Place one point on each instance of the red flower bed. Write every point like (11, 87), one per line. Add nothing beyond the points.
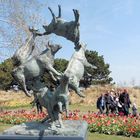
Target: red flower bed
(111, 124)
(20, 116)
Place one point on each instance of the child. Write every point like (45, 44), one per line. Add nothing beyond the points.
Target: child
(134, 110)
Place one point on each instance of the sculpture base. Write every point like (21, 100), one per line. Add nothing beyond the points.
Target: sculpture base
(73, 130)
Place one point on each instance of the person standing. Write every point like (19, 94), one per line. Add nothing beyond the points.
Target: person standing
(36, 103)
(39, 107)
(113, 105)
(134, 110)
(107, 101)
(101, 103)
(125, 102)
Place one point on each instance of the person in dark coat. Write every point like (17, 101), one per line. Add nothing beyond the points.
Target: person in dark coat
(36, 103)
(39, 107)
(110, 102)
(125, 102)
(101, 103)
(107, 102)
(113, 103)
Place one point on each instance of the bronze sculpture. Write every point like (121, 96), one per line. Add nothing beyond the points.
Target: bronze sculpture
(32, 69)
(60, 27)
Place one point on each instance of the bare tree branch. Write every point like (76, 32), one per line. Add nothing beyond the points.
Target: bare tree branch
(15, 18)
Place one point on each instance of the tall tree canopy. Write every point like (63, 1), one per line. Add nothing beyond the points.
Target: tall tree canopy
(101, 75)
(6, 78)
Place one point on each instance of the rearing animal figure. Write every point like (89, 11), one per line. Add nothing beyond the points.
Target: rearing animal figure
(36, 67)
(24, 52)
(58, 26)
(55, 101)
(75, 68)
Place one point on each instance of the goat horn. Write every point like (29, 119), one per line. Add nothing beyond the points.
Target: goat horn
(53, 15)
(59, 14)
(29, 28)
(49, 43)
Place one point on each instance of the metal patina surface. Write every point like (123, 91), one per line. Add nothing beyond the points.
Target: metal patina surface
(29, 71)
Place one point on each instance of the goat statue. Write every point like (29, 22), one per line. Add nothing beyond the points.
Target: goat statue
(75, 68)
(55, 101)
(23, 53)
(58, 26)
(36, 67)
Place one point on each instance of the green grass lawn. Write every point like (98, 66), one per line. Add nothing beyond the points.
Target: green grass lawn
(97, 136)
(4, 126)
(83, 108)
(15, 107)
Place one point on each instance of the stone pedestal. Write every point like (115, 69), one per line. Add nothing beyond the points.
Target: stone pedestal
(73, 130)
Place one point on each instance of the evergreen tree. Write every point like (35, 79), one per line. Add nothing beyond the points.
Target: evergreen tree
(101, 74)
(6, 78)
(60, 64)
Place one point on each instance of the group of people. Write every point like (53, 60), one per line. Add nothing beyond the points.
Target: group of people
(115, 102)
(108, 102)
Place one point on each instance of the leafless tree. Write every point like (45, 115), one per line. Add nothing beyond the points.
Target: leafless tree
(15, 18)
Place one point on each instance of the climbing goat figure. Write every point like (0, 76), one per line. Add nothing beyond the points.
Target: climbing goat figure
(75, 68)
(24, 52)
(36, 67)
(55, 101)
(58, 26)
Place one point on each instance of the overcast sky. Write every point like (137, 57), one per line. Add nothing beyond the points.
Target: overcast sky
(110, 27)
